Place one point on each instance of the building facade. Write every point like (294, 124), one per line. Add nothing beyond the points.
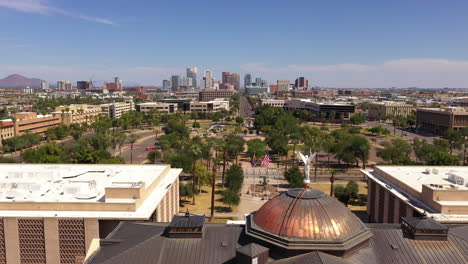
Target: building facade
(440, 193)
(208, 79)
(273, 103)
(77, 114)
(301, 83)
(283, 85)
(230, 79)
(334, 111)
(247, 80)
(167, 108)
(56, 211)
(175, 83)
(388, 110)
(64, 85)
(439, 120)
(210, 106)
(192, 74)
(117, 109)
(211, 94)
(7, 130)
(34, 123)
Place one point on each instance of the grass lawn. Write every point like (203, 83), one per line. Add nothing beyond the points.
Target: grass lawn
(203, 203)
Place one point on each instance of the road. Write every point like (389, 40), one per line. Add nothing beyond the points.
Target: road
(148, 138)
(245, 108)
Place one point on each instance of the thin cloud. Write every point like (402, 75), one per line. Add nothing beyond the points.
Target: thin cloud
(42, 7)
(424, 65)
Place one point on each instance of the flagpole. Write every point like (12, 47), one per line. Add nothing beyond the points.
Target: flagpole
(255, 163)
(267, 183)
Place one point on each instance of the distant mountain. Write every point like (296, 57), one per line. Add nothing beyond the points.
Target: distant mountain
(19, 81)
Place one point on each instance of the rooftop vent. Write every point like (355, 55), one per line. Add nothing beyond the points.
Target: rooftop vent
(187, 226)
(423, 228)
(252, 253)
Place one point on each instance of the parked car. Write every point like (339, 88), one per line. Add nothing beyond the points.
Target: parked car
(150, 148)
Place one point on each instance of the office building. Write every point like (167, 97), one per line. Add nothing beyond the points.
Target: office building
(64, 85)
(247, 80)
(192, 74)
(301, 83)
(117, 109)
(283, 85)
(77, 114)
(115, 86)
(230, 79)
(166, 108)
(175, 83)
(332, 110)
(298, 226)
(32, 122)
(273, 88)
(185, 83)
(54, 212)
(211, 94)
(388, 110)
(7, 130)
(208, 79)
(210, 106)
(258, 82)
(439, 120)
(166, 84)
(273, 103)
(439, 193)
(44, 86)
(256, 90)
(83, 85)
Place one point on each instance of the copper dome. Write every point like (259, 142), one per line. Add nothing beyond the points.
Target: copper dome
(307, 219)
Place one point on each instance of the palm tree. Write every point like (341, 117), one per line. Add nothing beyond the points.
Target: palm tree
(332, 181)
(132, 139)
(195, 151)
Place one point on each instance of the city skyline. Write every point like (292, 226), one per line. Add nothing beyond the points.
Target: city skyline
(365, 44)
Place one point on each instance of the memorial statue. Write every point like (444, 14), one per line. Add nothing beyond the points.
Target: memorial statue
(307, 161)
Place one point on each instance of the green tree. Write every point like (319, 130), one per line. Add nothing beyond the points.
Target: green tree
(203, 175)
(256, 147)
(357, 119)
(345, 193)
(398, 152)
(230, 198)
(454, 138)
(234, 146)
(441, 159)
(185, 189)
(234, 178)
(294, 177)
(239, 120)
(153, 155)
(196, 125)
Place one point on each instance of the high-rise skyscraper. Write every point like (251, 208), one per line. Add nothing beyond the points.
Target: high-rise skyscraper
(166, 84)
(175, 82)
(192, 74)
(230, 78)
(258, 82)
(208, 78)
(185, 83)
(44, 86)
(301, 83)
(283, 85)
(83, 85)
(64, 85)
(247, 80)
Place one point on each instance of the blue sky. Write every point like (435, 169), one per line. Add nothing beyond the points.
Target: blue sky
(335, 43)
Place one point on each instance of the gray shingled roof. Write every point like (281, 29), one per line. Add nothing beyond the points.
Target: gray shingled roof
(252, 250)
(142, 243)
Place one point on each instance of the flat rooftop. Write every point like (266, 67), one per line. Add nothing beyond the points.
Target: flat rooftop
(427, 187)
(79, 190)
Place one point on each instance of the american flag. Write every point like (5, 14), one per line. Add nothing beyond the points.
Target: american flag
(266, 160)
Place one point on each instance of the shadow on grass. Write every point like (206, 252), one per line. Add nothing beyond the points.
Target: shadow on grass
(361, 200)
(223, 209)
